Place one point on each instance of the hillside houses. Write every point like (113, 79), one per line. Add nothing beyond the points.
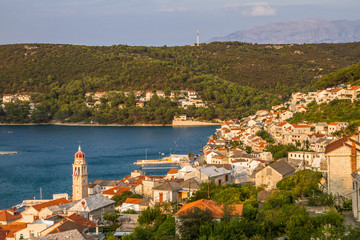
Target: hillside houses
(183, 98)
(8, 98)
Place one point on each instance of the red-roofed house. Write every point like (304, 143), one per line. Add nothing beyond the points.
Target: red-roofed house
(342, 160)
(32, 213)
(173, 173)
(9, 230)
(148, 95)
(74, 221)
(301, 109)
(216, 209)
(99, 95)
(7, 98)
(8, 216)
(337, 126)
(136, 204)
(114, 191)
(192, 94)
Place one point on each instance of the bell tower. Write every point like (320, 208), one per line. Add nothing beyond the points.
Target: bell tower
(80, 176)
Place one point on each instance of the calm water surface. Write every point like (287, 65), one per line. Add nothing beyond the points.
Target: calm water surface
(47, 152)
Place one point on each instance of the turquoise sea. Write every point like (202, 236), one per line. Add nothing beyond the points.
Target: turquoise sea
(45, 155)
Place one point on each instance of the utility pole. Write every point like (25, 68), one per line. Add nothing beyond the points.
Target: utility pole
(197, 37)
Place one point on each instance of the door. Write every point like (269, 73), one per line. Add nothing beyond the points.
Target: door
(161, 197)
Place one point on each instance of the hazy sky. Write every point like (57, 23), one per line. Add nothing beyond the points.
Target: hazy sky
(152, 22)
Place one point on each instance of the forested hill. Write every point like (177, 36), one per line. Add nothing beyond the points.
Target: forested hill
(279, 69)
(349, 75)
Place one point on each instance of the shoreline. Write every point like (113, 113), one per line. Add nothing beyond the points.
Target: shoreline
(194, 124)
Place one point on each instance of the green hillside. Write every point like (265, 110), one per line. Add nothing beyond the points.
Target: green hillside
(349, 75)
(235, 79)
(278, 69)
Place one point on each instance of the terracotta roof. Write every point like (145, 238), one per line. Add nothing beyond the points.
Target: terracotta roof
(116, 190)
(82, 221)
(335, 89)
(9, 215)
(334, 123)
(13, 228)
(59, 201)
(173, 171)
(354, 87)
(222, 149)
(339, 143)
(300, 126)
(282, 124)
(133, 200)
(136, 182)
(214, 207)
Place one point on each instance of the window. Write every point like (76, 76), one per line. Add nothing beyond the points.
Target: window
(227, 178)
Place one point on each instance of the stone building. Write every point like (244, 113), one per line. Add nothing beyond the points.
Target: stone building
(342, 160)
(273, 173)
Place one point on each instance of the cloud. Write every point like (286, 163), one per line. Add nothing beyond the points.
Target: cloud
(255, 9)
(171, 10)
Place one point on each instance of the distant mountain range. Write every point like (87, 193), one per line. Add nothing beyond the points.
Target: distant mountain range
(304, 31)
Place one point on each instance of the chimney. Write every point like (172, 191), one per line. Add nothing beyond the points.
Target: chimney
(353, 157)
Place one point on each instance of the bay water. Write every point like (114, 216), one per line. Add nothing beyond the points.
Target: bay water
(46, 153)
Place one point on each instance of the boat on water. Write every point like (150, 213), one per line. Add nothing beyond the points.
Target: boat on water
(165, 162)
(8, 153)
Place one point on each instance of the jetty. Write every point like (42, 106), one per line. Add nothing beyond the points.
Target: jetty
(8, 153)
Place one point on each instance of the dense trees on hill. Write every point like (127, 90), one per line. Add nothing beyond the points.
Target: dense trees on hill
(236, 79)
(348, 75)
(279, 69)
(65, 103)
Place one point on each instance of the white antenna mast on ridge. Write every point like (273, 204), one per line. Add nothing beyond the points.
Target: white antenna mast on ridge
(197, 37)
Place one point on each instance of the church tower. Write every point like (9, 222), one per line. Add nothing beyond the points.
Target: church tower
(80, 176)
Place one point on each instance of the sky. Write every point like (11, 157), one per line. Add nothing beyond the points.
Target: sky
(153, 22)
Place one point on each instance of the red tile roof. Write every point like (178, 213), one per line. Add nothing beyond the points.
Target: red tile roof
(133, 200)
(339, 143)
(82, 221)
(115, 191)
(354, 87)
(59, 201)
(214, 207)
(9, 215)
(300, 126)
(335, 89)
(173, 171)
(282, 124)
(13, 228)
